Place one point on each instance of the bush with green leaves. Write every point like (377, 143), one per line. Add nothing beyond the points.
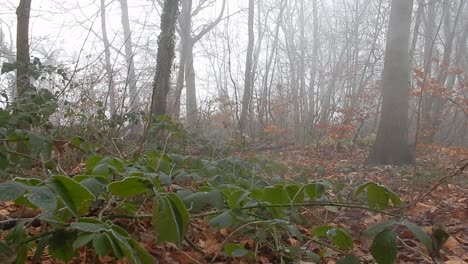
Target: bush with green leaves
(242, 195)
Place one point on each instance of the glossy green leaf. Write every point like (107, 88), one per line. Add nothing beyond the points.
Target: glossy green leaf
(384, 247)
(130, 186)
(74, 195)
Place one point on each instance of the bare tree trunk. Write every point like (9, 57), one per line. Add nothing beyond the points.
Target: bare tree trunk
(131, 76)
(191, 104)
(427, 100)
(23, 83)
(391, 145)
(449, 32)
(110, 76)
(185, 25)
(186, 67)
(165, 57)
(247, 96)
(22, 47)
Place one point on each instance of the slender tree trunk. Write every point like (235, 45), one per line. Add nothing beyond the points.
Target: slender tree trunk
(131, 76)
(165, 57)
(449, 32)
(247, 96)
(191, 105)
(427, 100)
(23, 83)
(110, 75)
(22, 47)
(391, 145)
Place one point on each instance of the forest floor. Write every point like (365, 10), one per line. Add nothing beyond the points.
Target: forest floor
(437, 194)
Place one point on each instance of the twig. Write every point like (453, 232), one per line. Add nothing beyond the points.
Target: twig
(413, 249)
(440, 182)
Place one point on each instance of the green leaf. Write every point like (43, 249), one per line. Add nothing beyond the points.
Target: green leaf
(82, 240)
(130, 186)
(43, 197)
(101, 244)
(131, 249)
(439, 236)
(93, 185)
(41, 246)
(200, 200)
(223, 220)
(276, 195)
(116, 250)
(338, 236)
(88, 224)
(349, 259)
(384, 247)
(314, 190)
(61, 245)
(377, 197)
(419, 233)
(10, 191)
(8, 67)
(3, 158)
(141, 253)
(373, 231)
(74, 195)
(170, 219)
(343, 239)
(235, 250)
(42, 143)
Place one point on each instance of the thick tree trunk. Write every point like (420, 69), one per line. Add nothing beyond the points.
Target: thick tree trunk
(391, 146)
(165, 57)
(131, 76)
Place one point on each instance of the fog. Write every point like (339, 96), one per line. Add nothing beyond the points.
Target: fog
(316, 67)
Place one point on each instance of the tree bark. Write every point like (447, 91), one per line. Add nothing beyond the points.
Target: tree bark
(131, 76)
(110, 75)
(23, 83)
(391, 145)
(164, 58)
(247, 96)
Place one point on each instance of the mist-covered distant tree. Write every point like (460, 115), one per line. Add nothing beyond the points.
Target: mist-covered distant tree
(391, 145)
(165, 57)
(129, 57)
(247, 96)
(109, 72)
(188, 39)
